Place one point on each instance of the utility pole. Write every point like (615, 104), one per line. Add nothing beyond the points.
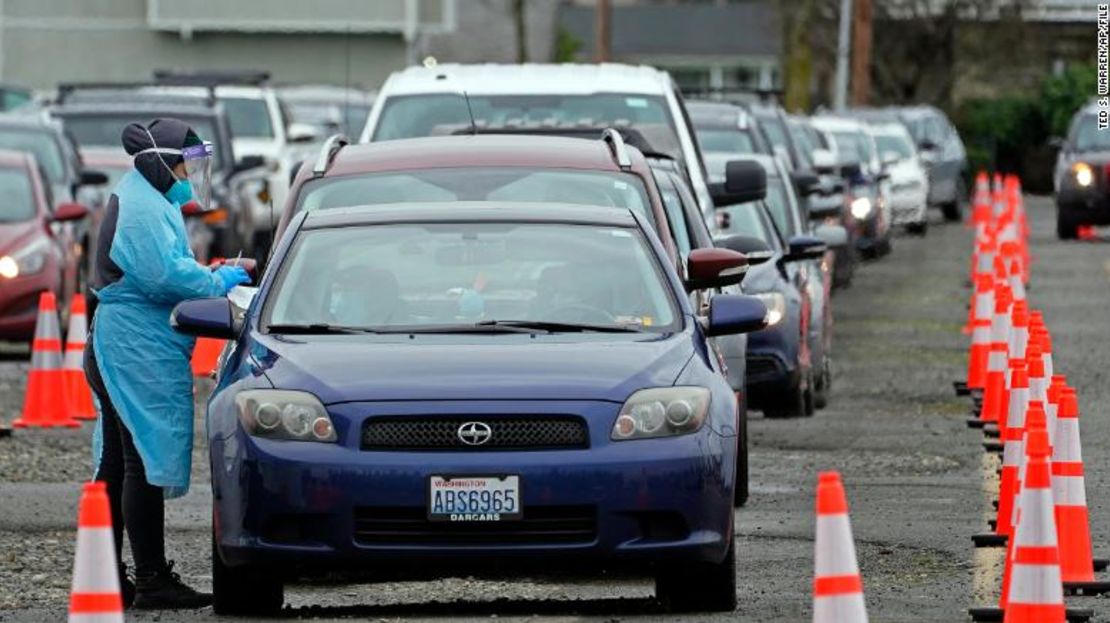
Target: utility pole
(843, 49)
(861, 54)
(603, 12)
(521, 31)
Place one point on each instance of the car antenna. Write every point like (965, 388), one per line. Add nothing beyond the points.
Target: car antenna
(470, 112)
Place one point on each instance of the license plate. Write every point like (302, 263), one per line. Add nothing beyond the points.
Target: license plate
(474, 498)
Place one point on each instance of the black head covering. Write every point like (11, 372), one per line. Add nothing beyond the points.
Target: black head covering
(167, 133)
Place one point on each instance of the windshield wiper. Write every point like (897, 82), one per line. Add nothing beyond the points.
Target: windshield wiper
(316, 328)
(560, 327)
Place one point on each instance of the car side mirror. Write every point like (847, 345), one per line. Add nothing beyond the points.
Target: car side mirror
(69, 211)
(252, 161)
(805, 248)
(730, 314)
(208, 317)
(708, 268)
(301, 133)
(755, 249)
(88, 177)
(745, 181)
(806, 182)
(834, 236)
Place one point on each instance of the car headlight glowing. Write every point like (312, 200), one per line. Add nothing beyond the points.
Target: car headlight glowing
(25, 261)
(9, 268)
(1084, 175)
(661, 412)
(284, 414)
(776, 306)
(861, 207)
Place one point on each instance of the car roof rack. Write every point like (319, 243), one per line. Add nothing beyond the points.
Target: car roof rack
(616, 139)
(211, 77)
(68, 89)
(735, 95)
(328, 152)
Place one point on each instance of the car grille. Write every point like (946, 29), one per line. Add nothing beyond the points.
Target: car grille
(506, 433)
(539, 525)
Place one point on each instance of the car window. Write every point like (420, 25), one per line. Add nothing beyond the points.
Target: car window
(894, 143)
(412, 275)
(748, 219)
(105, 130)
(778, 203)
(40, 143)
(725, 140)
(513, 184)
(672, 204)
(432, 114)
(18, 204)
(693, 220)
(248, 117)
(1087, 136)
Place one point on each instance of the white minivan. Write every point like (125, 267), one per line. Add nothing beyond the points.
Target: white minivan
(444, 99)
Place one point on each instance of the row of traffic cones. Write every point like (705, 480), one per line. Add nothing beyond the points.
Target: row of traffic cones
(1021, 401)
(57, 392)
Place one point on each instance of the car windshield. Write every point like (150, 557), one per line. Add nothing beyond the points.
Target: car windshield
(744, 219)
(727, 141)
(249, 117)
(1088, 137)
(779, 205)
(513, 184)
(853, 144)
(900, 145)
(412, 116)
(774, 130)
(105, 130)
(18, 204)
(330, 116)
(43, 145)
(457, 274)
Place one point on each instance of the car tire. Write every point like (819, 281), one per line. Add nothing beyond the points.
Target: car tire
(918, 229)
(823, 385)
(244, 591)
(952, 210)
(1066, 228)
(699, 587)
(743, 474)
(790, 403)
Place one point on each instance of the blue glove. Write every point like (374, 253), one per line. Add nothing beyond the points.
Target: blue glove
(232, 276)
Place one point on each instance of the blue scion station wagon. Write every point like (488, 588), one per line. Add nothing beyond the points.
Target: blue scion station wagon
(424, 390)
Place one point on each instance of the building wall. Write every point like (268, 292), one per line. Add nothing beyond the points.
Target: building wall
(485, 33)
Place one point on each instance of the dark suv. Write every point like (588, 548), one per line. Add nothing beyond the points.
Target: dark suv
(1082, 175)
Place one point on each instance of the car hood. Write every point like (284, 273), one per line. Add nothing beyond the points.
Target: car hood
(15, 235)
(491, 367)
(265, 147)
(1091, 157)
(906, 171)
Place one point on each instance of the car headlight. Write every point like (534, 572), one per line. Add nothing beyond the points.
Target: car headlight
(861, 207)
(26, 261)
(1084, 175)
(284, 414)
(661, 412)
(776, 306)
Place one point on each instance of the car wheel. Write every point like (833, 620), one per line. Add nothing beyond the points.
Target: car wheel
(918, 229)
(699, 587)
(743, 475)
(1066, 228)
(244, 591)
(788, 404)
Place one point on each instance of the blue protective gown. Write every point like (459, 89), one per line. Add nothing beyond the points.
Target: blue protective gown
(144, 362)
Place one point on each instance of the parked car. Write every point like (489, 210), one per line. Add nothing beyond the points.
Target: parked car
(95, 115)
(781, 377)
(943, 153)
(722, 127)
(38, 253)
(586, 384)
(420, 101)
(867, 184)
(327, 109)
(1080, 180)
(773, 120)
(909, 180)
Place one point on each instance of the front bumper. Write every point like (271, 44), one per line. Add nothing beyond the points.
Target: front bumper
(307, 506)
(908, 205)
(1086, 206)
(19, 302)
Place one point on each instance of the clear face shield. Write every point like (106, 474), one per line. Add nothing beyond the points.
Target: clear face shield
(198, 170)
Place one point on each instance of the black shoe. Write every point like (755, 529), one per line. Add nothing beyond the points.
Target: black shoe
(126, 587)
(164, 590)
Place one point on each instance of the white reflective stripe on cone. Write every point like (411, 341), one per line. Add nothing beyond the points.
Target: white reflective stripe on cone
(981, 335)
(73, 360)
(986, 264)
(1036, 584)
(46, 360)
(984, 305)
(1019, 337)
(1017, 287)
(1012, 452)
(1037, 527)
(996, 360)
(1047, 360)
(1069, 449)
(1069, 491)
(836, 553)
(840, 609)
(104, 617)
(95, 554)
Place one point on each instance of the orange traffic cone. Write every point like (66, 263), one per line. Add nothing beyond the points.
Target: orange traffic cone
(205, 355)
(1035, 594)
(73, 368)
(1073, 529)
(1012, 452)
(997, 359)
(1038, 386)
(95, 597)
(45, 404)
(837, 585)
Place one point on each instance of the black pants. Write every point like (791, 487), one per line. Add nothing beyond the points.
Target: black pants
(136, 505)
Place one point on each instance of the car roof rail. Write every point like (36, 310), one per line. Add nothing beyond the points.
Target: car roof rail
(616, 145)
(67, 89)
(212, 77)
(328, 152)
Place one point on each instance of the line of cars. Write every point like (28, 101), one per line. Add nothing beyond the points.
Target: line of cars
(516, 328)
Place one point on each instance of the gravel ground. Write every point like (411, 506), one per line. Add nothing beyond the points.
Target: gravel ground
(914, 472)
